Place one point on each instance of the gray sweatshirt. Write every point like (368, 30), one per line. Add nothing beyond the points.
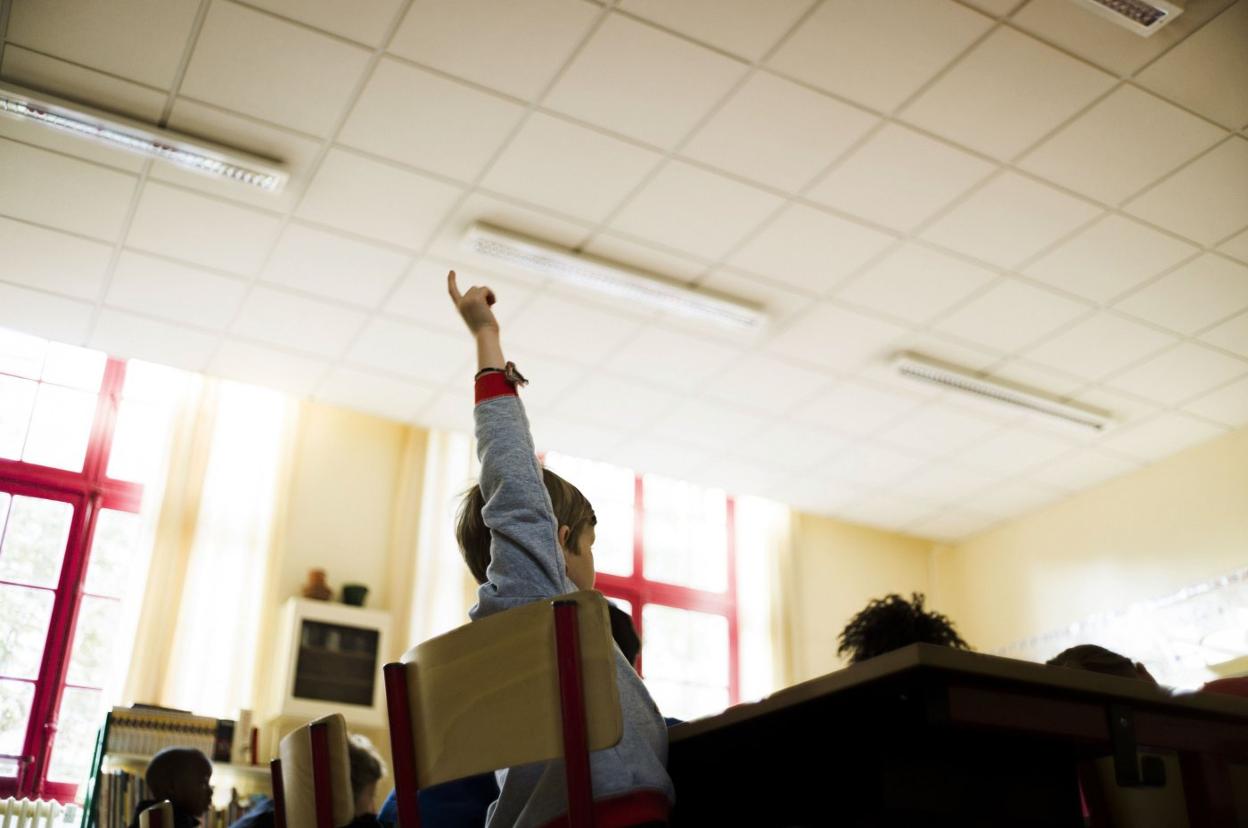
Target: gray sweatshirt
(526, 565)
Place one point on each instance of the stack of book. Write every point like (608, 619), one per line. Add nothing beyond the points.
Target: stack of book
(147, 730)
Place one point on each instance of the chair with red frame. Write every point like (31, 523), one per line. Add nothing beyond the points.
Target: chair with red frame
(312, 777)
(530, 684)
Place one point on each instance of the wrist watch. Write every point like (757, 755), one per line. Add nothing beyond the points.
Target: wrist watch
(509, 371)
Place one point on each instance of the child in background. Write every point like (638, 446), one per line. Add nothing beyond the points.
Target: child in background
(180, 775)
(892, 622)
(532, 556)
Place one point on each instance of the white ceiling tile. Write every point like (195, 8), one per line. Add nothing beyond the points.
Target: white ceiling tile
(138, 39)
(835, 339)
(374, 394)
(127, 336)
(1237, 247)
(178, 292)
(201, 230)
(1227, 405)
(514, 47)
(1122, 407)
(1072, 27)
(1006, 94)
(670, 266)
(1181, 373)
(1011, 315)
(448, 243)
(708, 424)
(267, 367)
(290, 321)
(1009, 220)
(557, 327)
(42, 314)
(767, 384)
(738, 476)
(944, 482)
(294, 153)
(418, 118)
(63, 192)
(748, 28)
(421, 295)
(810, 249)
(813, 495)
(551, 379)
(791, 447)
(52, 261)
(900, 178)
(878, 53)
(951, 525)
(855, 408)
(364, 20)
(780, 303)
(615, 402)
(1206, 200)
(579, 439)
(915, 283)
(1203, 291)
(946, 349)
(1083, 469)
(1165, 434)
(937, 430)
(1039, 378)
(376, 200)
(565, 167)
(452, 411)
(667, 357)
(412, 351)
(642, 82)
(334, 266)
(777, 132)
(666, 457)
(870, 464)
(1100, 345)
(1231, 335)
(66, 80)
(1014, 450)
(1199, 73)
(699, 212)
(1014, 498)
(1121, 145)
(1109, 258)
(888, 511)
(282, 73)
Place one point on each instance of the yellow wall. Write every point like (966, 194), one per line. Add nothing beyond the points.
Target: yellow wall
(836, 568)
(1145, 535)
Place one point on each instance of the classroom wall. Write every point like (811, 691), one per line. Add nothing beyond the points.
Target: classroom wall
(836, 569)
(1145, 535)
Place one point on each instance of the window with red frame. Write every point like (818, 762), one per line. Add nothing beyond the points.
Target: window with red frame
(665, 554)
(75, 436)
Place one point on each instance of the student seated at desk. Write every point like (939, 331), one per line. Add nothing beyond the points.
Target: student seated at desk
(180, 775)
(1097, 659)
(892, 622)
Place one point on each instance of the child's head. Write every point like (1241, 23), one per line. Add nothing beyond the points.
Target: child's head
(1100, 660)
(366, 771)
(181, 775)
(573, 515)
(892, 622)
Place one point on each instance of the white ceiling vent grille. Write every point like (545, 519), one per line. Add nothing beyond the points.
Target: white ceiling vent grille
(1144, 17)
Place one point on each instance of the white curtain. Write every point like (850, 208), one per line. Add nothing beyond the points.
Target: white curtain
(764, 539)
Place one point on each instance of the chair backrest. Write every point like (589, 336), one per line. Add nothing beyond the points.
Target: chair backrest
(315, 773)
(487, 695)
(159, 815)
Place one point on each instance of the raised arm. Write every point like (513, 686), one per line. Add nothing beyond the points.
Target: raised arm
(525, 561)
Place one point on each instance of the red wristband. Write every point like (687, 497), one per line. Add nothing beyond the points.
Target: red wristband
(494, 384)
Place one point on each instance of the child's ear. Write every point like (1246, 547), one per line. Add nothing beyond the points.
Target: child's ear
(564, 532)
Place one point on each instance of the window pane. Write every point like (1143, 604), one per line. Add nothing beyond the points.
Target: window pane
(686, 534)
(17, 400)
(24, 617)
(152, 383)
(60, 428)
(116, 537)
(610, 490)
(34, 541)
(89, 661)
(687, 701)
(15, 701)
(80, 717)
(21, 354)
(138, 442)
(75, 367)
(685, 655)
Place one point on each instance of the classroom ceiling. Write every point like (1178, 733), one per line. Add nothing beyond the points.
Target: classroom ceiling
(1024, 190)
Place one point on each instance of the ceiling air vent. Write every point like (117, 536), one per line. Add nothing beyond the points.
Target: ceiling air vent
(1140, 16)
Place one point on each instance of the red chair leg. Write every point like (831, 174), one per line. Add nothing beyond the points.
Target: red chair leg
(279, 794)
(572, 705)
(402, 748)
(321, 782)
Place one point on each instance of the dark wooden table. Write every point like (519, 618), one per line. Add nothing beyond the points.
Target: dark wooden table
(927, 735)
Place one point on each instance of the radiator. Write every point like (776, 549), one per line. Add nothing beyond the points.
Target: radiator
(36, 813)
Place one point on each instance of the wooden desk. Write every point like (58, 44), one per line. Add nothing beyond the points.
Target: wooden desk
(927, 735)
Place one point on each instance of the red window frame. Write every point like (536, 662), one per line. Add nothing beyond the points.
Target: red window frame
(639, 591)
(88, 491)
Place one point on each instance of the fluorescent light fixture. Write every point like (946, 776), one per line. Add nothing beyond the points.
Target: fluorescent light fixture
(133, 136)
(1144, 17)
(611, 279)
(962, 381)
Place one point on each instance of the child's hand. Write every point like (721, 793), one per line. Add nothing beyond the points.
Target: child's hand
(473, 306)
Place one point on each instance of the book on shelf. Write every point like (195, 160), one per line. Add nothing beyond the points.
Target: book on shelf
(121, 792)
(146, 730)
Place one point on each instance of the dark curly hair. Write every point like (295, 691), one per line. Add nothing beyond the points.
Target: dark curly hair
(892, 622)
